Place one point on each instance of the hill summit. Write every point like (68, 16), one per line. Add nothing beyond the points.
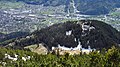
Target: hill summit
(92, 33)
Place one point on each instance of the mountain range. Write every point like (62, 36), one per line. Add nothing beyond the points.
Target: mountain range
(89, 7)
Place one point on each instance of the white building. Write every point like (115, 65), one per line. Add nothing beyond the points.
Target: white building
(79, 47)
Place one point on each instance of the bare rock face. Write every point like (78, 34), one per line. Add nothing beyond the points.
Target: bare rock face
(92, 33)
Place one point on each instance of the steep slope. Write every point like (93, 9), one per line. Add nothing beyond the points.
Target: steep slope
(4, 37)
(95, 33)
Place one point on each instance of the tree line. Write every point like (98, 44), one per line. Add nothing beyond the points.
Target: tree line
(104, 58)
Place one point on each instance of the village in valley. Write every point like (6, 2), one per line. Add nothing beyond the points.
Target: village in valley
(28, 18)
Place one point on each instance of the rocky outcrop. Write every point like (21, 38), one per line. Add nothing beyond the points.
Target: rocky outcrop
(37, 48)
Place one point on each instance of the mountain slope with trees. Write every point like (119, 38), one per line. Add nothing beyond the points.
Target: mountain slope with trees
(110, 58)
(12, 36)
(92, 33)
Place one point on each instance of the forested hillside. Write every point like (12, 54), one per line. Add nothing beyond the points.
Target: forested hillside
(20, 58)
(92, 33)
(7, 38)
(59, 33)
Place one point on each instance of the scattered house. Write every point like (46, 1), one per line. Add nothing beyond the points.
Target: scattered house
(16, 55)
(75, 39)
(11, 58)
(68, 32)
(24, 59)
(4, 63)
(86, 51)
(28, 57)
(86, 26)
(15, 58)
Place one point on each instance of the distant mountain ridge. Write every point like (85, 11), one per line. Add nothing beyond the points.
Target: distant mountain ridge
(90, 7)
